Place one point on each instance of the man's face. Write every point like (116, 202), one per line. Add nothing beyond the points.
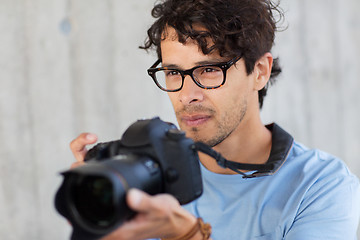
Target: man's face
(209, 116)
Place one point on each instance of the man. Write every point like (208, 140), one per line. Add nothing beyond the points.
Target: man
(215, 63)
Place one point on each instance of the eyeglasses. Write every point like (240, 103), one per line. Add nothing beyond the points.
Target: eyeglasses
(209, 76)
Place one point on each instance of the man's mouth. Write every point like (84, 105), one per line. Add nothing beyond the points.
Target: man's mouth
(195, 120)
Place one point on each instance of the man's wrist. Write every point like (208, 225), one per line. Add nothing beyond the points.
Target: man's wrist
(200, 230)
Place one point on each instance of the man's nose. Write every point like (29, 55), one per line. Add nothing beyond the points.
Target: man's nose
(190, 92)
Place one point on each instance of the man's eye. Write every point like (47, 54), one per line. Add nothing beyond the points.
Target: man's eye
(172, 73)
(210, 70)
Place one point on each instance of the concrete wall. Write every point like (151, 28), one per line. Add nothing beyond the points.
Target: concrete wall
(68, 66)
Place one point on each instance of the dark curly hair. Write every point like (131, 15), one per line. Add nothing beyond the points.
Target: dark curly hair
(236, 27)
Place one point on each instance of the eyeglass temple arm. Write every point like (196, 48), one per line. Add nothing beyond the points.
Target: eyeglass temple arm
(156, 63)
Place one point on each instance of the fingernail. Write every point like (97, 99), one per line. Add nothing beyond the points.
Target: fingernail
(91, 137)
(135, 196)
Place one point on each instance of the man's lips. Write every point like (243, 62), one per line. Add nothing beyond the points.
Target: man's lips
(195, 120)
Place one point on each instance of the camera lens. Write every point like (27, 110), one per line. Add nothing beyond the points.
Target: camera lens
(95, 193)
(94, 200)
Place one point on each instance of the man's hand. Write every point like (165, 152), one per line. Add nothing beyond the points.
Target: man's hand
(159, 216)
(78, 147)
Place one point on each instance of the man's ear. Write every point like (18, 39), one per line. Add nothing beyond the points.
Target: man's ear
(262, 70)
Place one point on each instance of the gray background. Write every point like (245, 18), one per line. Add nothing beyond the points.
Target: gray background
(73, 66)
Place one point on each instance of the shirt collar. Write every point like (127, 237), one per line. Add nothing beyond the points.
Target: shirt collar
(282, 142)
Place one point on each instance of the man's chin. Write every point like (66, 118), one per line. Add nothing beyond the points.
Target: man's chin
(204, 136)
(197, 136)
(198, 133)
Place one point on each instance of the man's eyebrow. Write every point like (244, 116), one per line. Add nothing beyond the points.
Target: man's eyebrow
(205, 62)
(170, 66)
(209, 62)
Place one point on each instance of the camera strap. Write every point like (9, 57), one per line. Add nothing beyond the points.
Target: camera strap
(264, 169)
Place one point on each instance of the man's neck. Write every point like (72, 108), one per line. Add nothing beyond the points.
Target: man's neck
(249, 143)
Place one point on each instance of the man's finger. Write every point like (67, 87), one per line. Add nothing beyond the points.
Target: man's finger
(143, 202)
(136, 198)
(76, 164)
(78, 145)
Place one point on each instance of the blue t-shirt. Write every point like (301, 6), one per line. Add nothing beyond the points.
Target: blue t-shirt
(312, 196)
(309, 195)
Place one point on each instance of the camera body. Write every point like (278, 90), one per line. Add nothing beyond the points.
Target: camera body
(152, 155)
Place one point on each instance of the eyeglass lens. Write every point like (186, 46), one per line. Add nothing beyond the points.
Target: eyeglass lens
(208, 76)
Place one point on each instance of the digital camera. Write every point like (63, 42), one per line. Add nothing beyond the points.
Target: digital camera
(152, 155)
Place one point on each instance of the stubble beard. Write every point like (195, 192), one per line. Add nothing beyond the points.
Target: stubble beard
(224, 127)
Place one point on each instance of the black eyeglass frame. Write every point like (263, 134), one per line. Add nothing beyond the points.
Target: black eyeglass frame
(224, 66)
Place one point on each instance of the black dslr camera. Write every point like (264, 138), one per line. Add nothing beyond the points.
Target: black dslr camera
(152, 155)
